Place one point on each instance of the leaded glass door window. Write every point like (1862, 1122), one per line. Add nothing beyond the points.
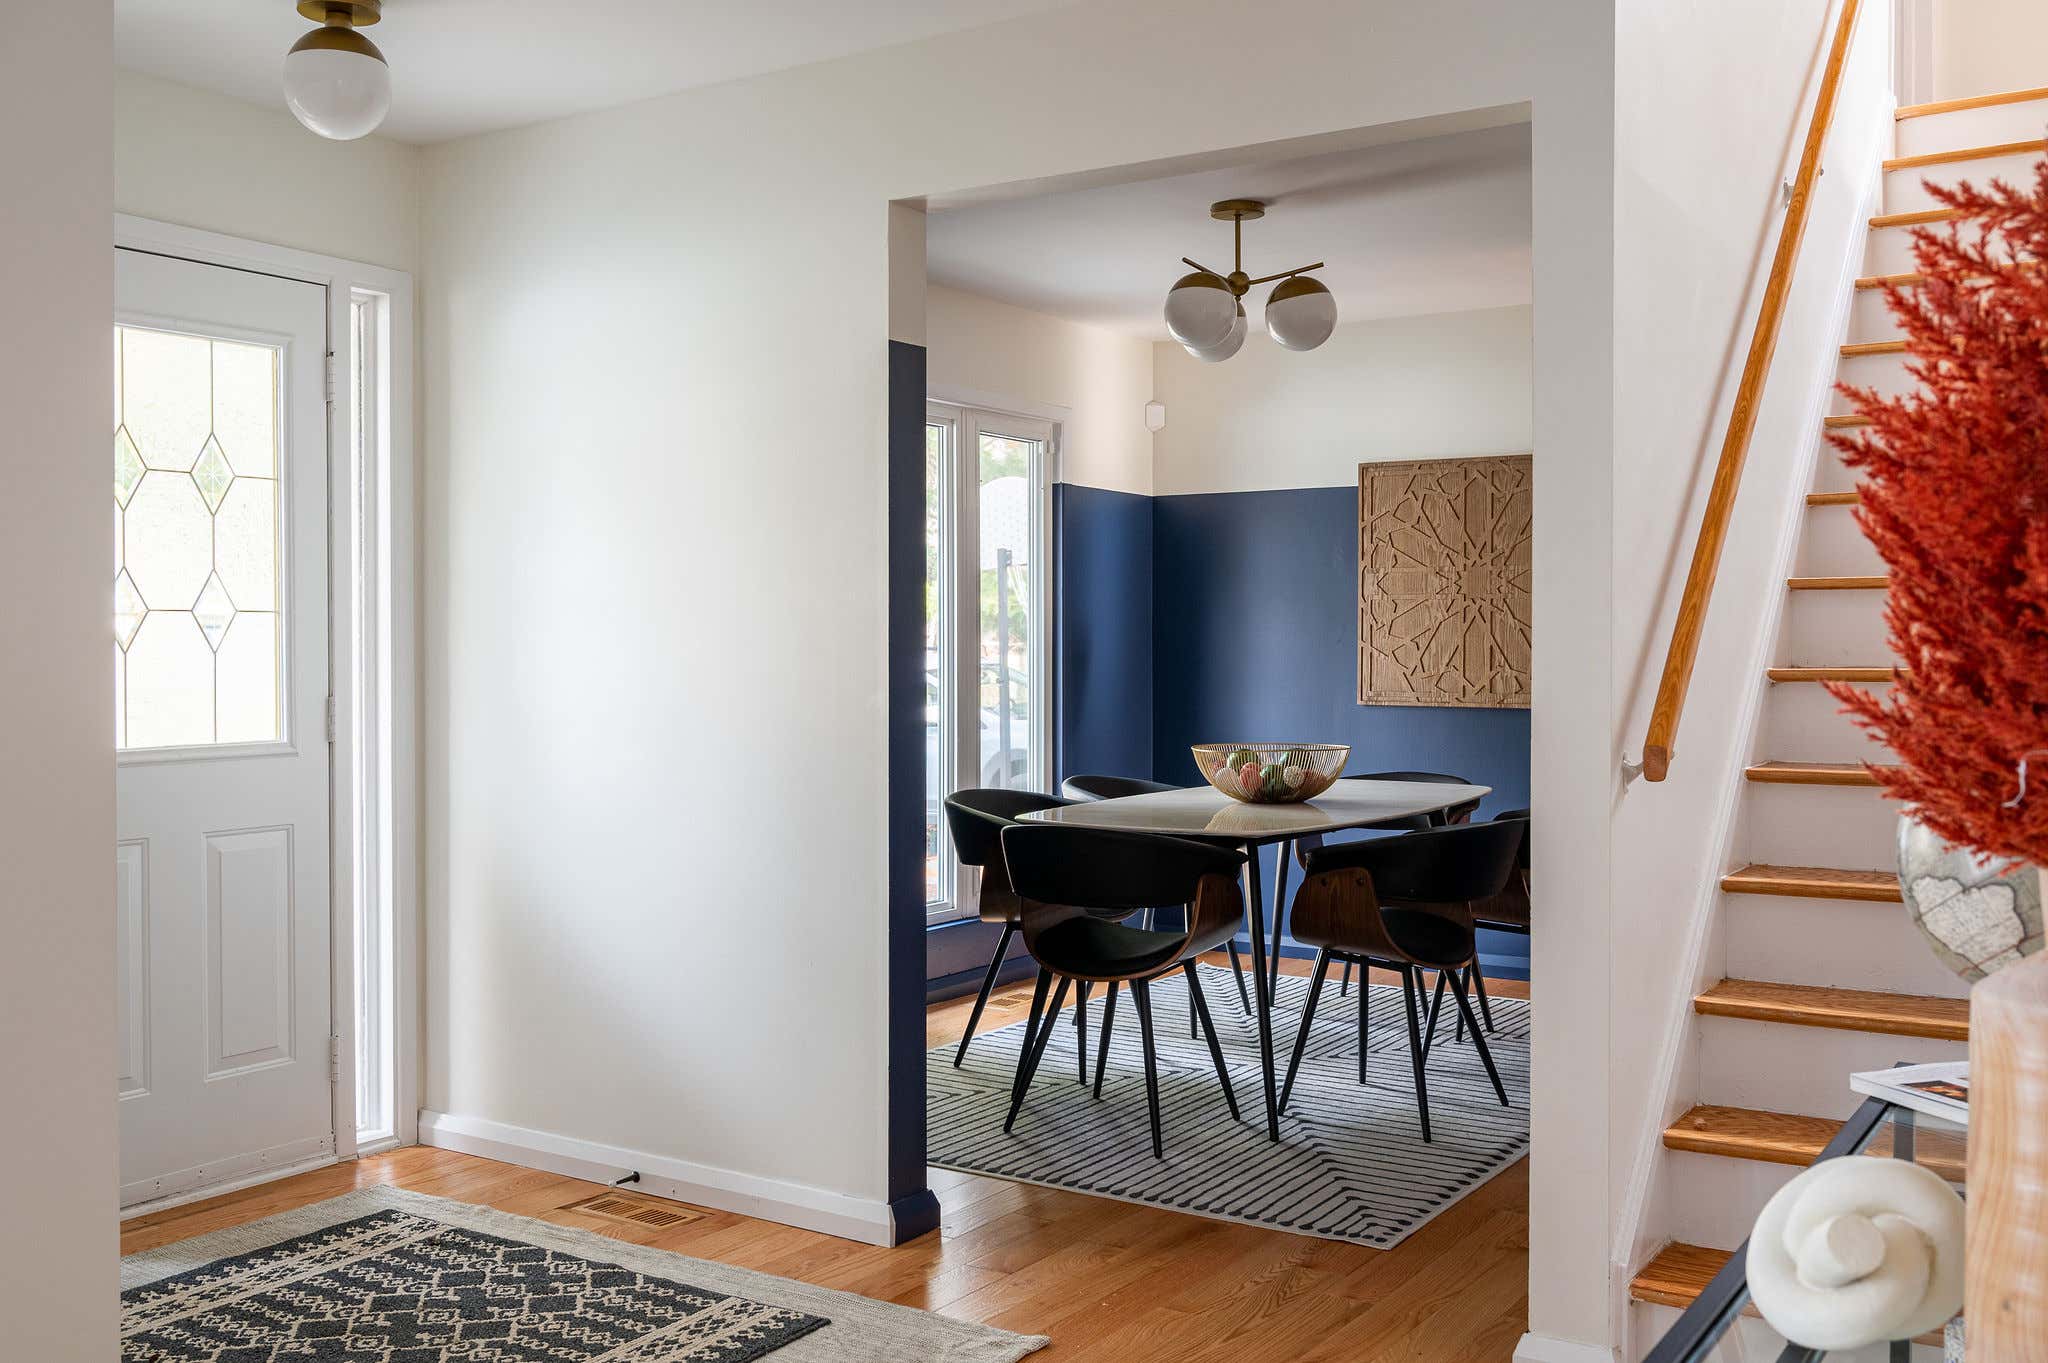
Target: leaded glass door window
(197, 657)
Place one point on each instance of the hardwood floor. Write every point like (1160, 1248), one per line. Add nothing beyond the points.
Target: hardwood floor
(1106, 1280)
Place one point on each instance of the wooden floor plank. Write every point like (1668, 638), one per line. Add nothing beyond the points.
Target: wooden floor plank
(1107, 1280)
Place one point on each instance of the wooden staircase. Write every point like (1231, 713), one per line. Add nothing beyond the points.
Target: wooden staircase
(1790, 1003)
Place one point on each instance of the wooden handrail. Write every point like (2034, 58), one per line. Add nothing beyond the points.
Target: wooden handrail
(1763, 344)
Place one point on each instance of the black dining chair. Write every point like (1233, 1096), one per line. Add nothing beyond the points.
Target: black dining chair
(976, 818)
(1404, 903)
(1407, 823)
(1507, 911)
(1076, 885)
(1115, 788)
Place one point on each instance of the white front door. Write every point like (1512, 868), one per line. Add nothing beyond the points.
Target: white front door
(221, 682)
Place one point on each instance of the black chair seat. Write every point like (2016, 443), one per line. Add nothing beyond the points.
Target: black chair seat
(1429, 938)
(1098, 947)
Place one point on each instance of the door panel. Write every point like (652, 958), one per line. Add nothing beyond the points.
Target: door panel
(221, 665)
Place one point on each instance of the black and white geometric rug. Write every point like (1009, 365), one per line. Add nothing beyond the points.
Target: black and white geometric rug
(1351, 1163)
(383, 1275)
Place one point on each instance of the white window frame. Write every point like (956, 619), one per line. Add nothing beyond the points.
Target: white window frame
(967, 419)
(372, 605)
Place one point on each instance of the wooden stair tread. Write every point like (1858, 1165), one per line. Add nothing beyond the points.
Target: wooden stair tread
(1786, 1138)
(1852, 350)
(1841, 674)
(1919, 218)
(1745, 1133)
(1837, 584)
(1812, 774)
(1949, 106)
(1937, 158)
(1832, 498)
(1677, 1274)
(1853, 1010)
(1814, 882)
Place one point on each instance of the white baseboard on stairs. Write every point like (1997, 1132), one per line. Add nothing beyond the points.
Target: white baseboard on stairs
(792, 1204)
(1535, 1348)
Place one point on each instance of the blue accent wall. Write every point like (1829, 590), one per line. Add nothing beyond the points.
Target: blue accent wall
(1102, 652)
(1255, 636)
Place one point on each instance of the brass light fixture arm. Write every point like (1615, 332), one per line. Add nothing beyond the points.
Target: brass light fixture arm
(1200, 266)
(1285, 274)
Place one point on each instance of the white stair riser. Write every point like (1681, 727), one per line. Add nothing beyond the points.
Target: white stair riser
(1833, 545)
(1985, 127)
(1890, 250)
(1885, 374)
(1870, 318)
(1905, 191)
(1780, 1067)
(1830, 474)
(1827, 628)
(1973, 127)
(1844, 944)
(1848, 828)
(1803, 723)
(1716, 1198)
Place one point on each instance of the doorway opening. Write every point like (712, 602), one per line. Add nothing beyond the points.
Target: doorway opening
(1224, 531)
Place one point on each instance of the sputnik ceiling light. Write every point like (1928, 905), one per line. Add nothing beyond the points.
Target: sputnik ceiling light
(335, 79)
(1205, 310)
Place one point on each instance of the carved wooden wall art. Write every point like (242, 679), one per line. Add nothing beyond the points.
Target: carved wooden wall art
(1443, 582)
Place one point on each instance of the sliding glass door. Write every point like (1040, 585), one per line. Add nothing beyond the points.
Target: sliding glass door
(987, 536)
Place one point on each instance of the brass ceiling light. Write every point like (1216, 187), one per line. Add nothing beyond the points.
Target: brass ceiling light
(335, 79)
(1205, 310)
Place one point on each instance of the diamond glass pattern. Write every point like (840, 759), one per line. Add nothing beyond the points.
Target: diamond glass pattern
(128, 467)
(198, 653)
(213, 475)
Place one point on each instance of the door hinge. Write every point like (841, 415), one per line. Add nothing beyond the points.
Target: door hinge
(332, 366)
(330, 719)
(333, 1059)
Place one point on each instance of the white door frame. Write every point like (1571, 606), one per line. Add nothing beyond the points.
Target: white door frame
(374, 724)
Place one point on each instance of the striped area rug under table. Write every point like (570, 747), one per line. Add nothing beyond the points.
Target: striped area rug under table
(1350, 1164)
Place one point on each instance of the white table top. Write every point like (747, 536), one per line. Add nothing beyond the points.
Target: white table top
(1205, 812)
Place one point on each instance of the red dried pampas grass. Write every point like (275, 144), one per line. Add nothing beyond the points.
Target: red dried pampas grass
(1955, 497)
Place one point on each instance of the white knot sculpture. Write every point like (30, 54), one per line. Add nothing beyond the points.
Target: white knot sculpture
(1856, 1251)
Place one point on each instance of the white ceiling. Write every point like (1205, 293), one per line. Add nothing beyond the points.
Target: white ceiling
(468, 66)
(1437, 224)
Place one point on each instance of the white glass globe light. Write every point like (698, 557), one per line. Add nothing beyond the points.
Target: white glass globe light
(337, 83)
(1300, 313)
(1228, 346)
(1200, 310)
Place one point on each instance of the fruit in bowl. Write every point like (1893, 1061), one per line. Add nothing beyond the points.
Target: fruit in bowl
(1271, 773)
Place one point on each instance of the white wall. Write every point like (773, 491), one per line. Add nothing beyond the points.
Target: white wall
(1698, 210)
(655, 512)
(1101, 377)
(1440, 386)
(57, 1059)
(1984, 47)
(200, 159)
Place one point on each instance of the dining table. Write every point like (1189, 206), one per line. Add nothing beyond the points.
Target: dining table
(1207, 814)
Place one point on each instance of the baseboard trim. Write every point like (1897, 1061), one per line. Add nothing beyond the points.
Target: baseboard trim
(726, 1190)
(1535, 1348)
